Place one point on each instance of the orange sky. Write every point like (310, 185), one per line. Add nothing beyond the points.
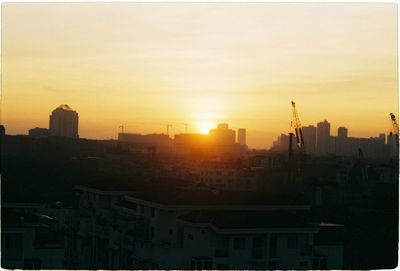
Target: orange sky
(149, 64)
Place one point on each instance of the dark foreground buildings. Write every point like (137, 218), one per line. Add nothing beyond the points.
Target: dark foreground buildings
(71, 203)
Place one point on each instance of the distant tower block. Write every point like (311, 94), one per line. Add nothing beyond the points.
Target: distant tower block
(242, 136)
(64, 122)
(342, 132)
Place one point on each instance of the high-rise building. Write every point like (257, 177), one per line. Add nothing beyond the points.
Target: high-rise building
(341, 146)
(222, 135)
(310, 138)
(323, 137)
(342, 132)
(64, 122)
(241, 136)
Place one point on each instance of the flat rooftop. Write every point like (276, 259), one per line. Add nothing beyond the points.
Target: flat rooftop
(227, 219)
(207, 197)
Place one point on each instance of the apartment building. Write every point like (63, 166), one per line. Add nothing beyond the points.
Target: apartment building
(199, 229)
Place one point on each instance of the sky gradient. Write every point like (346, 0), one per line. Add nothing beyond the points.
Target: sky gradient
(149, 64)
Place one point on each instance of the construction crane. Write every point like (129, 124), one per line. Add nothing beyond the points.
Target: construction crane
(297, 127)
(395, 128)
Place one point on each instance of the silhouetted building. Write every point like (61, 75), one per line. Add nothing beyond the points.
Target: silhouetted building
(31, 238)
(156, 143)
(64, 122)
(222, 135)
(2, 130)
(310, 138)
(242, 136)
(39, 132)
(281, 143)
(200, 229)
(382, 137)
(342, 132)
(340, 143)
(323, 137)
(191, 144)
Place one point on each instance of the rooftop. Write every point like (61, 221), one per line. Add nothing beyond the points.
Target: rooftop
(223, 219)
(208, 197)
(65, 107)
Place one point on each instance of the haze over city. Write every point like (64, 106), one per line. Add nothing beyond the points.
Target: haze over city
(147, 65)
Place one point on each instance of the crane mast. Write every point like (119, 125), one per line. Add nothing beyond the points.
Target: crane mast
(395, 128)
(297, 127)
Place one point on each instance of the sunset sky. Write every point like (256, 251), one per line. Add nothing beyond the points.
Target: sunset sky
(149, 64)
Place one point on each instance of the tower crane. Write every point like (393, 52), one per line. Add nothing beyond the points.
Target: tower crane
(395, 128)
(297, 127)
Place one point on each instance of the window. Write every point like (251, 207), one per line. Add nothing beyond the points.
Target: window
(190, 236)
(170, 231)
(152, 212)
(272, 265)
(238, 243)
(292, 242)
(142, 209)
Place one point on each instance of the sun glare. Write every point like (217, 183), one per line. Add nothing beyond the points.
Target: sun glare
(205, 126)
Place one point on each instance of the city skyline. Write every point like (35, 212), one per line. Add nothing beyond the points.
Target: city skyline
(63, 121)
(196, 63)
